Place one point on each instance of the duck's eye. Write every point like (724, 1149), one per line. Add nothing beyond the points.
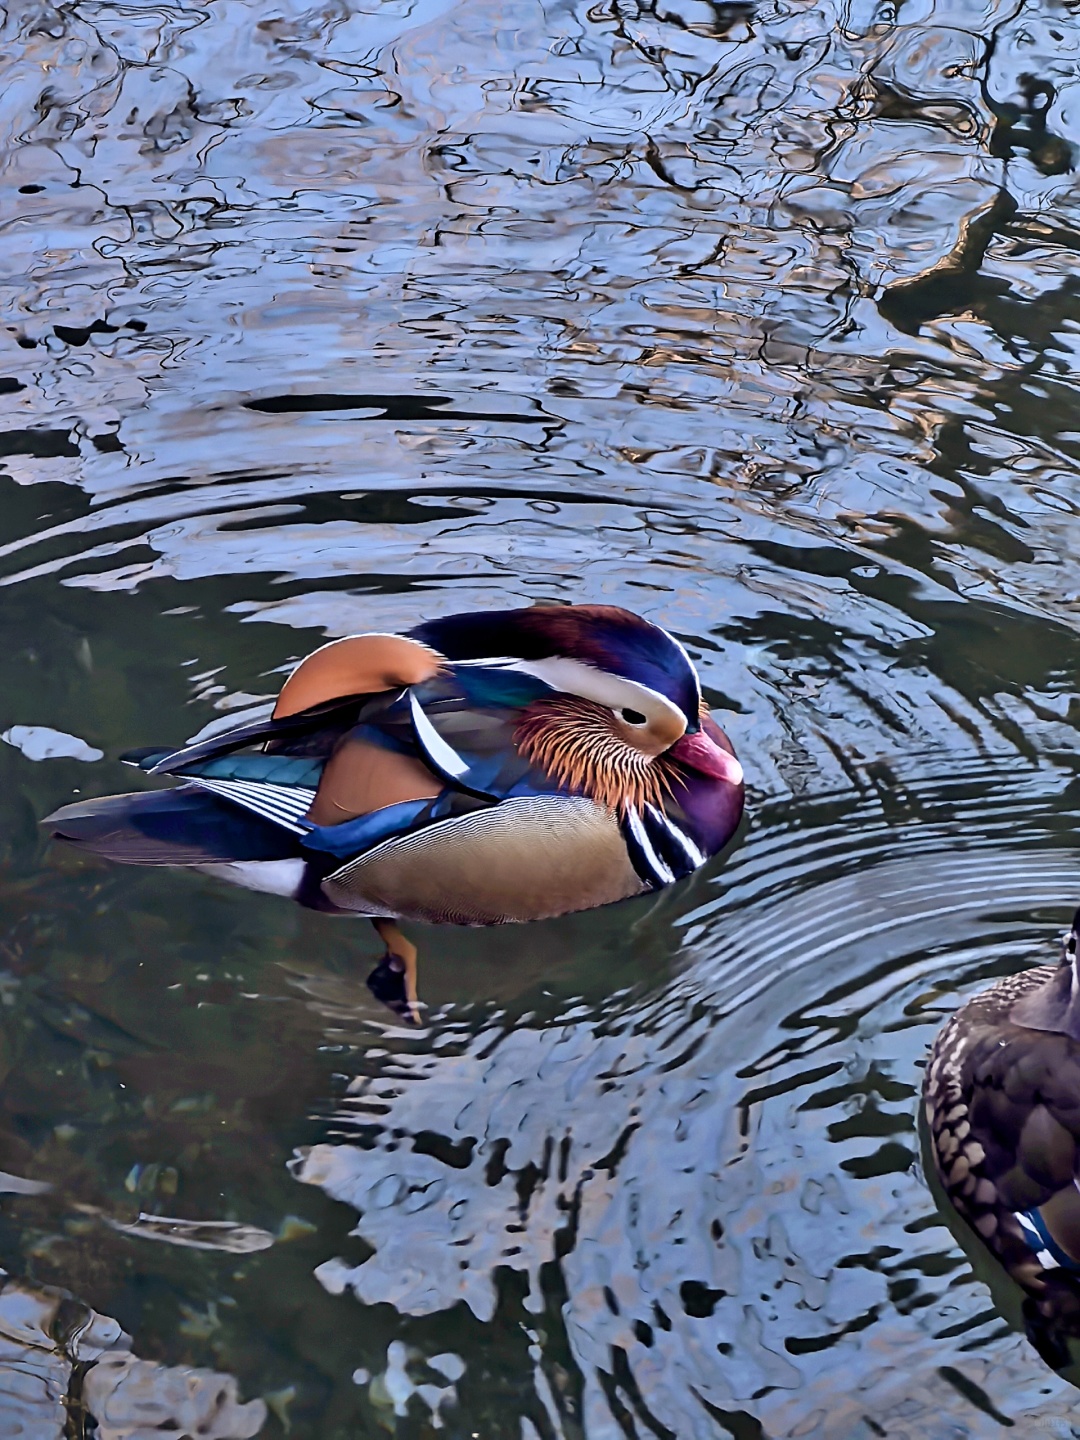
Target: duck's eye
(634, 717)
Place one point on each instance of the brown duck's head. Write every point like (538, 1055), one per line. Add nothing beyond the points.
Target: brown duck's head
(1056, 1005)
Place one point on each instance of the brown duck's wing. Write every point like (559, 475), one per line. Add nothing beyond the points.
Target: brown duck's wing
(1061, 1217)
(1024, 1112)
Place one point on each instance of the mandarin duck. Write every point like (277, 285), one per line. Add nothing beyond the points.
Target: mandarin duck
(1002, 1098)
(482, 769)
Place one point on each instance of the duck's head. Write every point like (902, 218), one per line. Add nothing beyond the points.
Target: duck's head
(624, 694)
(1056, 1005)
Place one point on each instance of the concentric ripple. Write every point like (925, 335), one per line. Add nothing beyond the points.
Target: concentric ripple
(709, 1229)
(760, 319)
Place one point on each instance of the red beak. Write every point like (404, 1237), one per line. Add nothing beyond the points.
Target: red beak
(702, 753)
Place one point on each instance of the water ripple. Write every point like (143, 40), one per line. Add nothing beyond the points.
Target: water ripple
(760, 319)
(704, 1226)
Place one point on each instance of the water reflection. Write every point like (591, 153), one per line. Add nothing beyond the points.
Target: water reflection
(63, 1366)
(760, 321)
(703, 1230)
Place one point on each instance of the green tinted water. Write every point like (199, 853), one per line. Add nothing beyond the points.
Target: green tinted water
(761, 322)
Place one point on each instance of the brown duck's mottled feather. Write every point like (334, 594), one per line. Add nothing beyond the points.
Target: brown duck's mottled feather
(357, 665)
(575, 741)
(1003, 1107)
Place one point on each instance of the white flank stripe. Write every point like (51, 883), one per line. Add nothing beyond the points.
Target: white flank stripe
(1031, 1234)
(685, 844)
(284, 805)
(656, 865)
(443, 756)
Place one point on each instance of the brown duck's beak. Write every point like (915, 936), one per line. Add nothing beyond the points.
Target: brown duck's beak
(701, 752)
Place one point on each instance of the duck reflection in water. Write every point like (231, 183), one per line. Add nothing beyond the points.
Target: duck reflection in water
(482, 769)
(1002, 1097)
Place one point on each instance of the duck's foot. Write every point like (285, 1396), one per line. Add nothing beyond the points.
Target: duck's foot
(393, 981)
(1048, 1339)
(387, 983)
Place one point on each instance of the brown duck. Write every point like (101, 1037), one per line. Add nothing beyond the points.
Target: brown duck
(1002, 1097)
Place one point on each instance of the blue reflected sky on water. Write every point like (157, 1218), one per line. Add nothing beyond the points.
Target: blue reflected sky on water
(757, 319)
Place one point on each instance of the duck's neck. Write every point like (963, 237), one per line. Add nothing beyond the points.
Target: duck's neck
(1053, 1006)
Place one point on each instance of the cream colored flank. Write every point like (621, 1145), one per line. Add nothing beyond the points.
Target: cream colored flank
(524, 859)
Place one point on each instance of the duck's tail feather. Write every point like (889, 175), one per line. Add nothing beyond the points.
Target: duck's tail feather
(170, 827)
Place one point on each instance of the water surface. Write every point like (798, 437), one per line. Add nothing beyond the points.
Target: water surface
(758, 319)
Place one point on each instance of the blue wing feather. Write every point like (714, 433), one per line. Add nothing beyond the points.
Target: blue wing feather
(170, 827)
(474, 711)
(353, 837)
(271, 769)
(461, 724)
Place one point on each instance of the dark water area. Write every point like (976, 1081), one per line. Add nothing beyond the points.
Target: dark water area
(758, 319)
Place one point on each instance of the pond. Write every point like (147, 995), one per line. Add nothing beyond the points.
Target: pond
(760, 320)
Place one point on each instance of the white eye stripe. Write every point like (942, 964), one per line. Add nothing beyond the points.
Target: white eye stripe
(574, 677)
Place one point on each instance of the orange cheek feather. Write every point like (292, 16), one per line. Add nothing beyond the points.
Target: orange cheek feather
(579, 744)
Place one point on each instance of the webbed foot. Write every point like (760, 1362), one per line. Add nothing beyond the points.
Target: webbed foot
(393, 981)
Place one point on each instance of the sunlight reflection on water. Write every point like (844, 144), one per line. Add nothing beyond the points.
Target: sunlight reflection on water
(757, 319)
